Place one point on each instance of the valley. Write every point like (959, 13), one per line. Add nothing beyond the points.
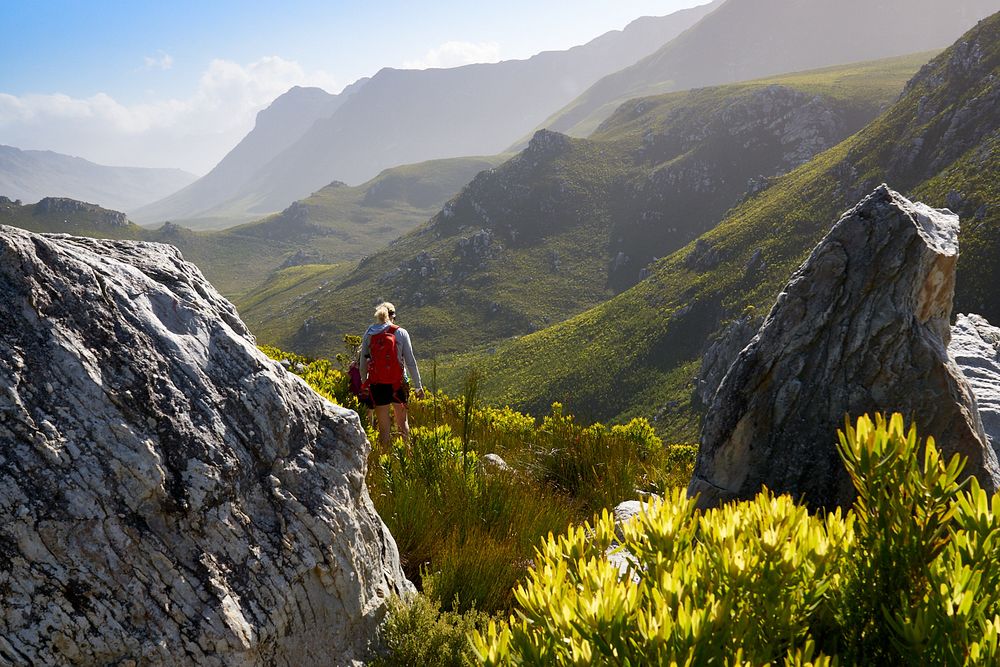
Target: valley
(701, 307)
(580, 220)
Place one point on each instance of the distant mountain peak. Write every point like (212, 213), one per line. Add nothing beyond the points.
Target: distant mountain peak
(31, 175)
(403, 117)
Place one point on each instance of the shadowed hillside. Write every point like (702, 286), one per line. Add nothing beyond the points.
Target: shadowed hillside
(580, 220)
(638, 353)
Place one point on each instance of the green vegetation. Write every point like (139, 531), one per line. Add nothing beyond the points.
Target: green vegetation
(581, 220)
(471, 527)
(637, 353)
(86, 220)
(908, 576)
(336, 224)
(467, 529)
(418, 632)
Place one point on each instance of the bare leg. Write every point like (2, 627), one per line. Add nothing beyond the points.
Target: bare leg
(384, 425)
(400, 412)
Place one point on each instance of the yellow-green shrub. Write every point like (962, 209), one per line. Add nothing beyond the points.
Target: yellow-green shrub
(474, 534)
(329, 382)
(909, 575)
(921, 585)
(749, 577)
(417, 632)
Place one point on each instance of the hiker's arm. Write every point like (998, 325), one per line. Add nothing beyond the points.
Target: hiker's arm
(411, 362)
(363, 362)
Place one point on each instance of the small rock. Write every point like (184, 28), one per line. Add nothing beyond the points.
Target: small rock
(494, 463)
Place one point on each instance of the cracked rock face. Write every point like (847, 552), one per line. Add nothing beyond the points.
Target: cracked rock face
(168, 494)
(720, 354)
(863, 326)
(975, 347)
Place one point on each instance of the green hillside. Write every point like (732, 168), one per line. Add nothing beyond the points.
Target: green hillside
(750, 39)
(569, 223)
(59, 215)
(336, 224)
(637, 353)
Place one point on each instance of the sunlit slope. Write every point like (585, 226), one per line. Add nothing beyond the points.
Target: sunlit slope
(637, 353)
(569, 223)
(403, 116)
(747, 39)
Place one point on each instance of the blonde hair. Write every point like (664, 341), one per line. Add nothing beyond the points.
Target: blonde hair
(383, 311)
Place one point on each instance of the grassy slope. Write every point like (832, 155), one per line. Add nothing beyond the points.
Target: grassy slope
(659, 173)
(336, 224)
(90, 221)
(636, 353)
(745, 39)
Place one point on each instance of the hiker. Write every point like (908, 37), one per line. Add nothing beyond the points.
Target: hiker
(386, 356)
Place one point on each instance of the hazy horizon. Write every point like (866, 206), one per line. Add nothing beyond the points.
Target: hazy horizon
(179, 86)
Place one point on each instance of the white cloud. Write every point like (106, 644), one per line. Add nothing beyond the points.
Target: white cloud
(454, 54)
(192, 133)
(162, 61)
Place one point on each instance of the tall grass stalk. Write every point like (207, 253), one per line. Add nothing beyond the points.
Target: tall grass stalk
(470, 393)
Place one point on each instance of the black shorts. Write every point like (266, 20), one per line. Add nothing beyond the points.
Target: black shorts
(383, 394)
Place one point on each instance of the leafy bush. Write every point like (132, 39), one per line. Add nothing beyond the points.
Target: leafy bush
(908, 576)
(329, 382)
(472, 531)
(921, 585)
(599, 466)
(417, 632)
(678, 463)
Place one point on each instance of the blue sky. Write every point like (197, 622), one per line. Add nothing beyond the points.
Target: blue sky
(209, 66)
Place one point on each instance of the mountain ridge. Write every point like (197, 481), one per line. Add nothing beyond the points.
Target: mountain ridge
(407, 116)
(286, 119)
(938, 143)
(338, 223)
(32, 175)
(579, 219)
(745, 39)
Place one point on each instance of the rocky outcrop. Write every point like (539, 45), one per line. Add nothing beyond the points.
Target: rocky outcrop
(703, 257)
(168, 494)
(721, 354)
(57, 205)
(975, 347)
(862, 326)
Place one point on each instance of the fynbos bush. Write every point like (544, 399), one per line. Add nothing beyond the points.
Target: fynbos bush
(909, 575)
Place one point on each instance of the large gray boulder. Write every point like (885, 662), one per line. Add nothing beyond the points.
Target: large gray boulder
(862, 326)
(975, 347)
(721, 353)
(168, 495)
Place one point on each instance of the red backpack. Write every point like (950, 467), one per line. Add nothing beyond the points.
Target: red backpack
(384, 367)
